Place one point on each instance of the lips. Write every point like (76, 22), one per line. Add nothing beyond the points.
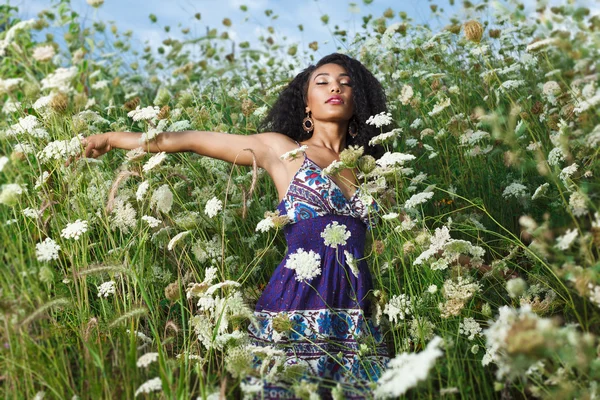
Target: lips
(335, 100)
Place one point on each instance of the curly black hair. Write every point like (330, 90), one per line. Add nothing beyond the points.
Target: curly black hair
(287, 113)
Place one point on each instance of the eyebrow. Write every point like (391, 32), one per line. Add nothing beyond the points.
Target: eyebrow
(325, 73)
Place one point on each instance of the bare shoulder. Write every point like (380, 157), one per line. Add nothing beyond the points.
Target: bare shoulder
(278, 142)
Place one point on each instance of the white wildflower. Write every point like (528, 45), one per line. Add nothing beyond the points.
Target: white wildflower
(541, 44)
(154, 384)
(102, 84)
(12, 32)
(3, 162)
(469, 327)
(60, 79)
(406, 94)
(578, 204)
(394, 159)
(515, 190)
(417, 123)
(406, 370)
(177, 238)
(8, 85)
(141, 190)
(417, 199)
(439, 107)
(385, 137)
(123, 215)
(398, 308)
(47, 250)
(11, 192)
(213, 206)
(293, 154)
(146, 360)
(381, 119)
(75, 229)
(556, 156)
(351, 262)
(432, 289)
(389, 216)
(306, 264)
(512, 84)
(31, 213)
(152, 222)
(43, 102)
(261, 111)
(567, 172)
(162, 199)
(146, 113)
(265, 224)
(154, 161)
(540, 191)
(43, 53)
(106, 289)
(565, 241)
(61, 149)
(335, 234)
(551, 88)
(334, 168)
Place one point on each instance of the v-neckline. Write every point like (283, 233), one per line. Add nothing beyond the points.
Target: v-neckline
(348, 200)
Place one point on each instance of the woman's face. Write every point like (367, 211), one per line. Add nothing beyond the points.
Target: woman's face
(330, 94)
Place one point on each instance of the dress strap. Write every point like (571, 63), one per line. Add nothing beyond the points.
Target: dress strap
(300, 146)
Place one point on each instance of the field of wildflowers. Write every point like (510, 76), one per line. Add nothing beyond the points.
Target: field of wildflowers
(135, 274)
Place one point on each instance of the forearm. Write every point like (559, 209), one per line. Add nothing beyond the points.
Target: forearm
(170, 142)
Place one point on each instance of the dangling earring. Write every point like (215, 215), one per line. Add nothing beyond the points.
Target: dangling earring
(353, 128)
(307, 123)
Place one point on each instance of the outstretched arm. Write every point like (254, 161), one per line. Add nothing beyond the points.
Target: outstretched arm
(224, 146)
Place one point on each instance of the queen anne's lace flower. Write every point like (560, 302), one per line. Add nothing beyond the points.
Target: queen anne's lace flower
(43, 53)
(470, 327)
(381, 119)
(385, 137)
(394, 159)
(398, 308)
(564, 242)
(146, 360)
(162, 199)
(154, 161)
(406, 94)
(176, 238)
(293, 154)
(213, 206)
(352, 263)
(515, 190)
(306, 264)
(147, 113)
(417, 199)
(152, 222)
(152, 385)
(439, 107)
(335, 234)
(106, 289)
(47, 250)
(406, 370)
(74, 230)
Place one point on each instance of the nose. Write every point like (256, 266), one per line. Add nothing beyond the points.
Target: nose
(335, 88)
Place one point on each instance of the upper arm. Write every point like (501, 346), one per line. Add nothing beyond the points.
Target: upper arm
(238, 149)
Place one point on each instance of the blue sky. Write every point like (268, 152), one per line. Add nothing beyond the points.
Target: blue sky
(133, 14)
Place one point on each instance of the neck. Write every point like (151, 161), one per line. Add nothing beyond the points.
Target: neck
(330, 135)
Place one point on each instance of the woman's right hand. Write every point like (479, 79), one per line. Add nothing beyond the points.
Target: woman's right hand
(96, 145)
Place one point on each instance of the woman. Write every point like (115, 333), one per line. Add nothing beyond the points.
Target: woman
(319, 295)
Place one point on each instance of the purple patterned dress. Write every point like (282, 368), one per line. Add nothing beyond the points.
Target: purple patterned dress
(332, 334)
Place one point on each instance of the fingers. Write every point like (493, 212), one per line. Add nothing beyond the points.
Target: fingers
(89, 149)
